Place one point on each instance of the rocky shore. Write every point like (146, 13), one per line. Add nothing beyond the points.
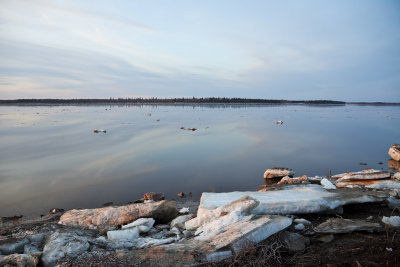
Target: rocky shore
(350, 219)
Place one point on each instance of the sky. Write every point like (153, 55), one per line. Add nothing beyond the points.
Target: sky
(333, 49)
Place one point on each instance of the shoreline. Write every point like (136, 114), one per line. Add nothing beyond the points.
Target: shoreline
(359, 205)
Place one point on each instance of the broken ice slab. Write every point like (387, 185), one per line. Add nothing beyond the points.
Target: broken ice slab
(367, 174)
(298, 199)
(251, 230)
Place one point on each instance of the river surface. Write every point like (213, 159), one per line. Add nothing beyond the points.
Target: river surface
(51, 158)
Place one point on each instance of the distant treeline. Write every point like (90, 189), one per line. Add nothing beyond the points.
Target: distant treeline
(155, 100)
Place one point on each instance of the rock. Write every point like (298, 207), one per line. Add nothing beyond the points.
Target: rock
(110, 217)
(278, 173)
(342, 226)
(299, 199)
(123, 235)
(395, 193)
(31, 249)
(143, 224)
(394, 152)
(56, 210)
(175, 232)
(373, 184)
(60, 245)
(315, 179)
(302, 221)
(179, 222)
(188, 234)
(299, 227)
(184, 210)
(242, 204)
(154, 196)
(393, 221)
(394, 164)
(293, 241)
(367, 174)
(162, 226)
(326, 238)
(251, 230)
(19, 260)
(37, 238)
(151, 242)
(217, 256)
(13, 246)
(175, 254)
(296, 180)
(393, 202)
(327, 184)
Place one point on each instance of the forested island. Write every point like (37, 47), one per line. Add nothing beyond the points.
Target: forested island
(193, 100)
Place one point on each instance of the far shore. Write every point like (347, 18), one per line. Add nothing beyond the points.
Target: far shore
(210, 101)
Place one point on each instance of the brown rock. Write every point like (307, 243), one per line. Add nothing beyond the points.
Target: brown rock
(19, 260)
(394, 164)
(154, 196)
(110, 217)
(296, 180)
(278, 173)
(394, 152)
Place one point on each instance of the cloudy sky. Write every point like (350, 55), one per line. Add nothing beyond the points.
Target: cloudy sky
(342, 50)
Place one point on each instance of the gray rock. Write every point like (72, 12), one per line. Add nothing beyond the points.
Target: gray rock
(342, 226)
(217, 256)
(179, 222)
(123, 235)
(162, 234)
(393, 221)
(60, 245)
(31, 249)
(393, 202)
(175, 232)
(36, 238)
(188, 234)
(162, 226)
(395, 193)
(143, 225)
(293, 241)
(13, 246)
(299, 227)
(302, 221)
(19, 260)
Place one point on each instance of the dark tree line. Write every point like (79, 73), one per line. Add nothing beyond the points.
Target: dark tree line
(155, 100)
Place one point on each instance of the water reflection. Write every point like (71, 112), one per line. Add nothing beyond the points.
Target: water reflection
(50, 157)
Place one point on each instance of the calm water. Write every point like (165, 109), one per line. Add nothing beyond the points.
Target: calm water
(50, 157)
